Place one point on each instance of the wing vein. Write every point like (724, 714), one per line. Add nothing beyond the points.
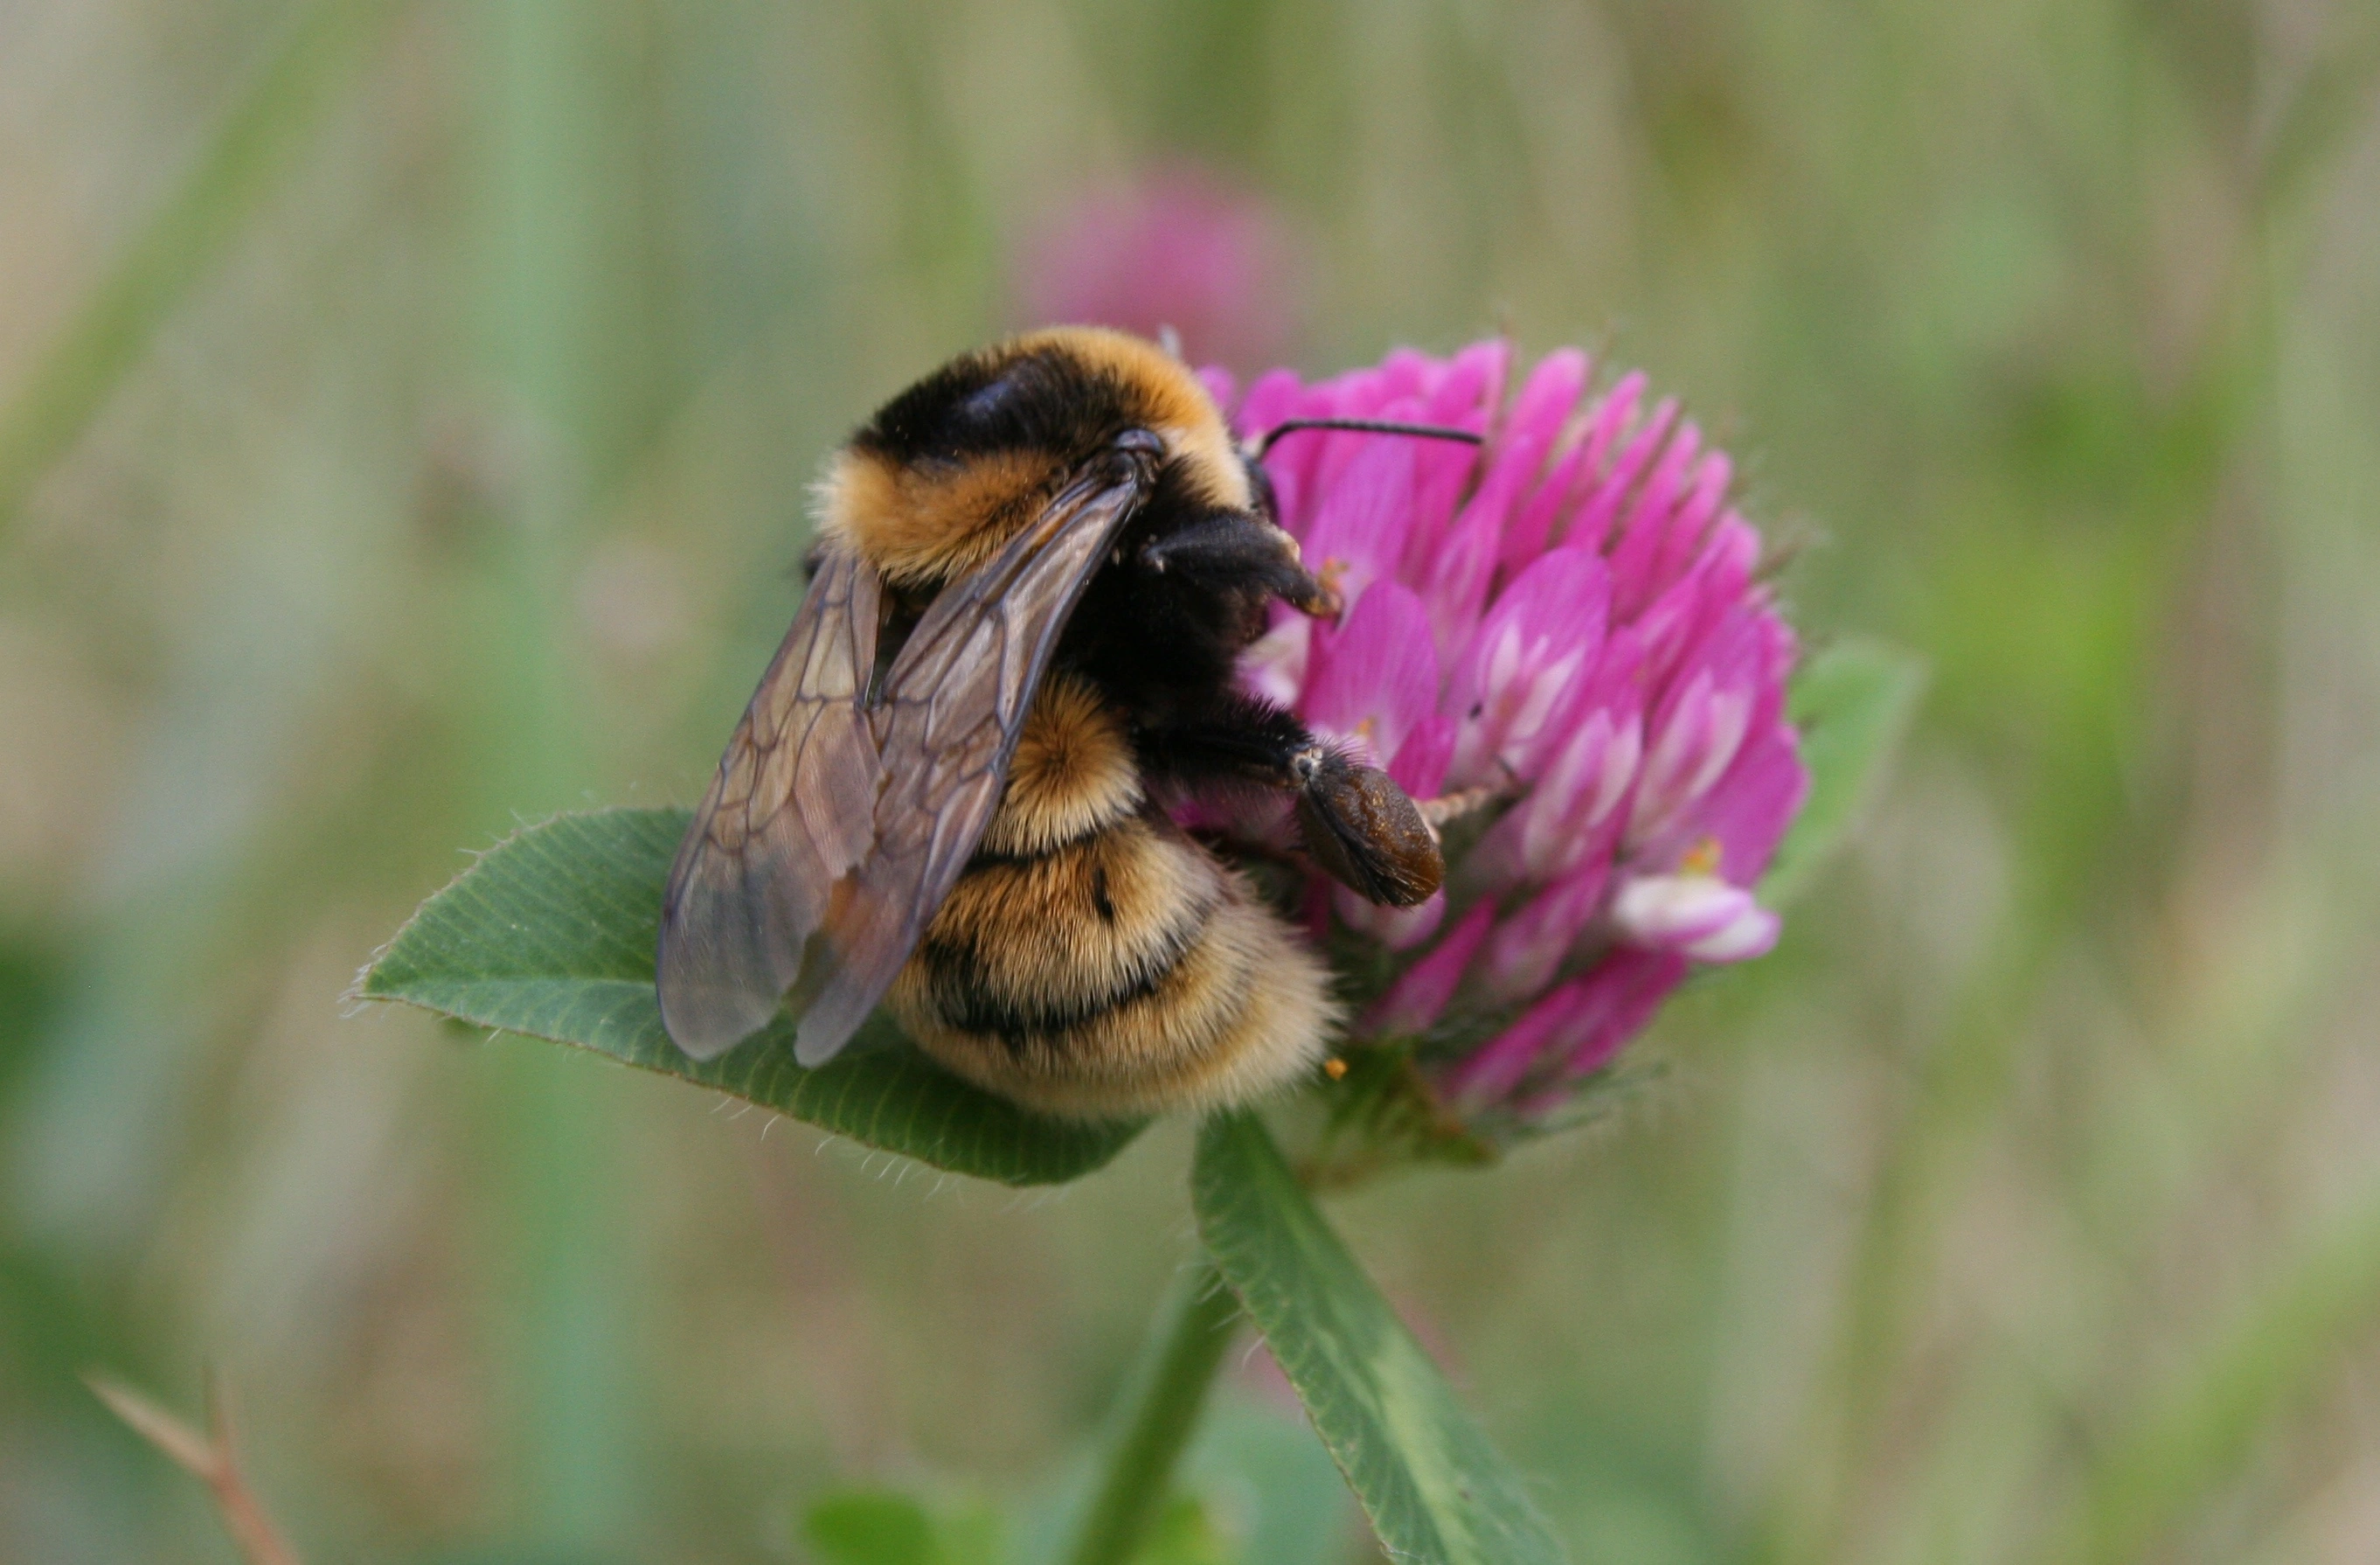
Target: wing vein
(836, 827)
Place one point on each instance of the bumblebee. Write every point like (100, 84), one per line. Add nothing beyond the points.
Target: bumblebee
(1034, 571)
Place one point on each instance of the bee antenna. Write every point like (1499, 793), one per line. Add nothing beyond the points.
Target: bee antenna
(1366, 427)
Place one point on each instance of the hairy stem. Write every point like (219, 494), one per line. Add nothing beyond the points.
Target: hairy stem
(1159, 1412)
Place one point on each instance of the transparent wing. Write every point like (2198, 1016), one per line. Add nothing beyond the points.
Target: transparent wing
(946, 725)
(788, 819)
(836, 827)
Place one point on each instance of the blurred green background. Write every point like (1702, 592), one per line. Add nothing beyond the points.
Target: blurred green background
(406, 407)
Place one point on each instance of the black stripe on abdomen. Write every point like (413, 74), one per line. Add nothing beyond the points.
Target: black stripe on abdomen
(968, 993)
(968, 1001)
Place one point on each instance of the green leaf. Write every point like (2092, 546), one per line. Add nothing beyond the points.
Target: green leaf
(551, 934)
(1853, 702)
(1183, 1534)
(882, 1527)
(1436, 1491)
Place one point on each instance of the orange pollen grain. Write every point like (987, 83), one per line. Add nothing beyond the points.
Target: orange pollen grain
(1702, 858)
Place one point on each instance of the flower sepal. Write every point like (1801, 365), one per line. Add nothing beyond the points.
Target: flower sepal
(1377, 1110)
(1383, 1109)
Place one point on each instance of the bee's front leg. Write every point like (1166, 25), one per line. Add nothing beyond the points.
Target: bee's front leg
(1238, 549)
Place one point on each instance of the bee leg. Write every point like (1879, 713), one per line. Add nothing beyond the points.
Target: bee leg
(1237, 549)
(1454, 806)
(1355, 821)
(1365, 831)
(1235, 738)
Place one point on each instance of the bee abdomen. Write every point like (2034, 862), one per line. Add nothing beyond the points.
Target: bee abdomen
(1041, 946)
(1093, 959)
(1194, 994)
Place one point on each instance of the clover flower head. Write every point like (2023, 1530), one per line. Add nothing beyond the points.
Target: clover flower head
(1565, 623)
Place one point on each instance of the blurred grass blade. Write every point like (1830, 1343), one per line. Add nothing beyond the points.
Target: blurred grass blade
(2197, 1435)
(2331, 99)
(1434, 1488)
(1159, 1407)
(108, 334)
(1853, 702)
(210, 1457)
(551, 934)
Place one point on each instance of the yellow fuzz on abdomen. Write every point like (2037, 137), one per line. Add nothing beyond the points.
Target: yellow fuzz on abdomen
(1093, 961)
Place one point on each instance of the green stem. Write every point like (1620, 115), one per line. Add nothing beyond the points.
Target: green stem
(1159, 1410)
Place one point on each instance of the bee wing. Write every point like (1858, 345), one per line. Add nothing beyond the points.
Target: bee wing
(836, 825)
(946, 723)
(788, 818)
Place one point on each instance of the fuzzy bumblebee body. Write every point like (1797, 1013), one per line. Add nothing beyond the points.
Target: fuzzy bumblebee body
(1093, 957)
(1036, 569)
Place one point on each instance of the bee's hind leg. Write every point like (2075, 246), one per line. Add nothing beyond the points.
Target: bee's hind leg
(1450, 807)
(1355, 821)
(1454, 806)
(1365, 831)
